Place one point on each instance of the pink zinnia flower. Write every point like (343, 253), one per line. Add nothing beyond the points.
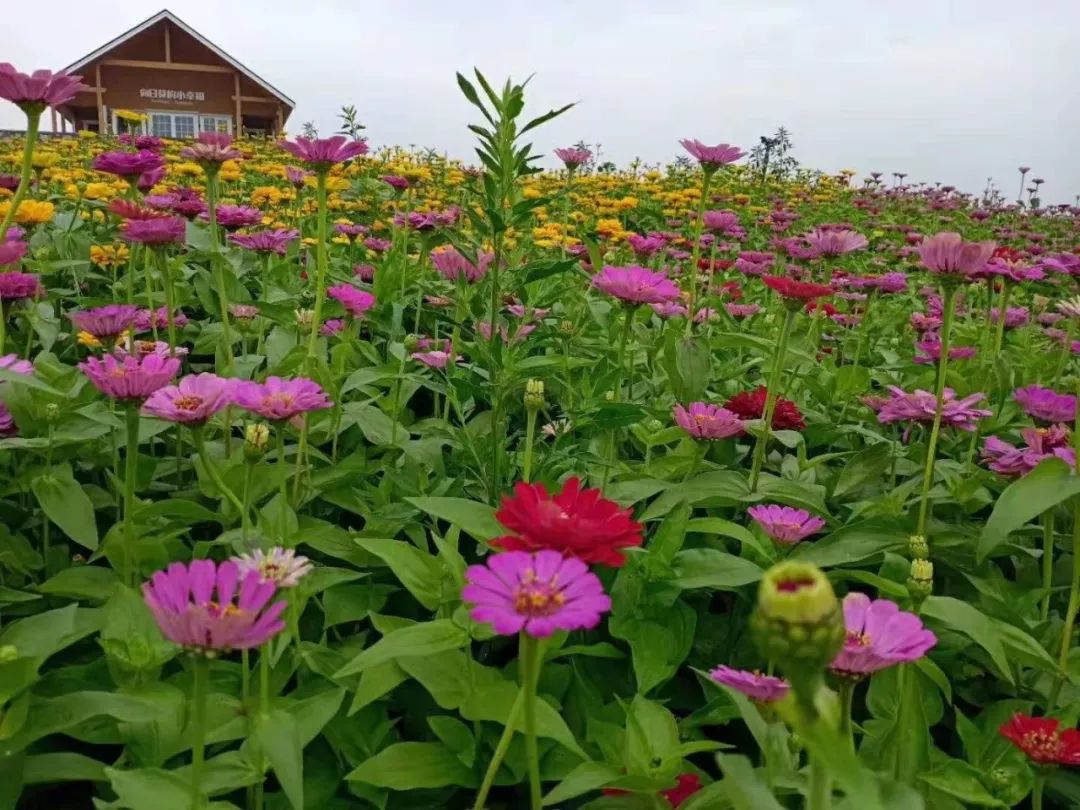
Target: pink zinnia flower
(835, 242)
(106, 322)
(142, 348)
(396, 181)
(355, 301)
(232, 217)
(11, 251)
(670, 309)
(710, 422)
(759, 688)
(199, 607)
(35, 91)
(636, 285)
(645, 245)
(183, 201)
(147, 319)
(879, 635)
(377, 245)
(785, 524)
(1045, 405)
(1014, 316)
(192, 401)
(723, 222)
(331, 327)
(433, 359)
(296, 176)
(364, 272)
(130, 378)
(158, 231)
(949, 254)
(351, 229)
(742, 310)
(929, 351)
(322, 153)
(12, 363)
(128, 165)
(1039, 445)
(924, 323)
(211, 147)
(712, 158)
(572, 157)
(279, 400)
(15, 286)
(538, 593)
(452, 265)
(920, 406)
(1013, 270)
(275, 241)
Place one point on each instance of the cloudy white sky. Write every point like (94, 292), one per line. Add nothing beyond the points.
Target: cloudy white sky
(949, 90)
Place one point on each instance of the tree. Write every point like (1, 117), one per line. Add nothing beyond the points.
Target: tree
(771, 155)
(349, 125)
(310, 130)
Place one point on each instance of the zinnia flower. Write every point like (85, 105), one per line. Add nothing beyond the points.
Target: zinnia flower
(636, 285)
(949, 254)
(128, 165)
(130, 378)
(723, 222)
(793, 290)
(396, 181)
(279, 400)
(686, 785)
(452, 265)
(105, 322)
(433, 359)
(929, 351)
(828, 242)
(275, 241)
(33, 92)
(199, 607)
(1043, 740)
(15, 286)
(211, 148)
(742, 310)
(192, 401)
(376, 245)
(1039, 445)
(282, 566)
(11, 251)
(879, 635)
(159, 231)
(576, 522)
(356, 302)
(785, 524)
(712, 158)
(572, 157)
(147, 319)
(920, 406)
(538, 593)
(322, 153)
(232, 217)
(710, 422)
(751, 405)
(759, 688)
(1045, 405)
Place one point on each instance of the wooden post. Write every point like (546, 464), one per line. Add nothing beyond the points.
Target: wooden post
(52, 112)
(280, 121)
(168, 44)
(239, 128)
(100, 103)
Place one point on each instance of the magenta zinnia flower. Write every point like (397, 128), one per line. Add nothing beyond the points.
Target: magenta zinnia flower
(396, 181)
(573, 157)
(192, 401)
(33, 92)
(711, 422)
(275, 241)
(356, 302)
(636, 285)
(16, 286)
(296, 176)
(645, 245)
(376, 245)
(452, 265)
(322, 153)
(128, 165)
(199, 607)
(949, 254)
(879, 635)
(211, 147)
(351, 229)
(106, 322)
(1014, 316)
(757, 687)
(1045, 405)
(130, 378)
(723, 222)
(279, 400)
(1039, 445)
(835, 241)
(158, 231)
(147, 319)
(231, 217)
(929, 351)
(742, 310)
(712, 158)
(11, 251)
(785, 524)
(538, 593)
(920, 406)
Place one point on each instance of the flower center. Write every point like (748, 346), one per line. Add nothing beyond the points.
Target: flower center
(535, 597)
(280, 398)
(793, 585)
(1041, 745)
(857, 639)
(188, 402)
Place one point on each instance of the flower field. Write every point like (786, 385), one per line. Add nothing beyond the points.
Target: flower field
(333, 477)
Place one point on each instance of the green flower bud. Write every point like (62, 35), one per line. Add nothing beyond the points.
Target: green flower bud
(412, 343)
(798, 622)
(920, 581)
(256, 440)
(1000, 780)
(609, 396)
(8, 653)
(567, 328)
(918, 548)
(304, 318)
(52, 413)
(534, 395)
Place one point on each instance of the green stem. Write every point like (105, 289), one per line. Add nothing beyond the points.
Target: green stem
(283, 476)
(211, 470)
(847, 695)
(33, 121)
(820, 786)
(320, 268)
(771, 395)
(201, 667)
(215, 262)
(245, 514)
(1003, 306)
(301, 452)
(1059, 367)
(947, 298)
(1037, 791)
(131, 466)
(696, 252)
(493, 370)
(166, 280)
(1047, 561)
(621, 365)
(532, 659)
(500, 750)
(530, 437)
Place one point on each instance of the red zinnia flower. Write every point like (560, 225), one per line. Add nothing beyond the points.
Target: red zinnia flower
(576, 522)
(125, 209)
(687, 785)
(824, 306)
(751, 405)
(1042, 740)
(799, 290)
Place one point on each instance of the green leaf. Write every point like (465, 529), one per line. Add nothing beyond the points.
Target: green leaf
(279, 739)
(864, 467)
(478, 519)
(417, 639)
(745, 787)
(495, 701)
(963, 618)
(377, 427)
(457, 737)
(412, 766)
(1025, 499)
(659, 642)
(667, 541)
(66, 504)
(40, 769)
(852, 544)
(93, 583)
(422, 574)
(652, 736)
(709, 568)
(150, 787)
(586, 777)
(961, 781)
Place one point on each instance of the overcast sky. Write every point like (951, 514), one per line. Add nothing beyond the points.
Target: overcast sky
(948, 90)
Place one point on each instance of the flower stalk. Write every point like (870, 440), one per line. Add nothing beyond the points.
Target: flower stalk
(948, 297)
(771, 395)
